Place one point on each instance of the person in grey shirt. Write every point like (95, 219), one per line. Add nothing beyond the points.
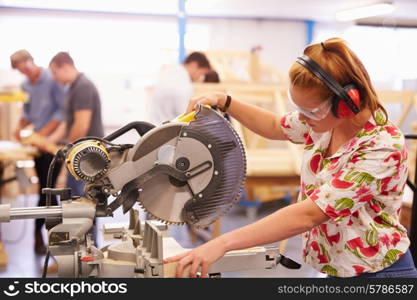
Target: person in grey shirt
(44, 111)
(82, 106)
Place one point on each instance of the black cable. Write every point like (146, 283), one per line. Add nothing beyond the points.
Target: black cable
(45, 264)
(411, 186)
(59, 155)
(49, 179)
(95, 138)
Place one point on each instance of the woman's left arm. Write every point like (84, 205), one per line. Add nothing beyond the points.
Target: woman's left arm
(286, 222)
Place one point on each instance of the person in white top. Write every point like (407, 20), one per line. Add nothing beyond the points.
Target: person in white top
(173, 89)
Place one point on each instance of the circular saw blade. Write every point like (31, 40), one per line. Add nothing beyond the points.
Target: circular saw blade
(164, 200)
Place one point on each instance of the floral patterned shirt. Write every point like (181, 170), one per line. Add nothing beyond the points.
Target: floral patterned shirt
(360, 188)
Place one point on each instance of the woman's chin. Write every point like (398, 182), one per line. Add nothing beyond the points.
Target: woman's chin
(318, 129)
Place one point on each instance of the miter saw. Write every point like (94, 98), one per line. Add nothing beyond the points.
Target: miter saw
(187, 171)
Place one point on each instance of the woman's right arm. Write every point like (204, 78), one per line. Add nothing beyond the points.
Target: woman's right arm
(259, 120)
(282, 224)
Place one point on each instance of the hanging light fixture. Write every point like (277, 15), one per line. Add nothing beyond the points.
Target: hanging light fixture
(367, 11)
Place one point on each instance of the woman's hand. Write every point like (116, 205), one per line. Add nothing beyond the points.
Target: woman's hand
(203, 256)
(214, 98)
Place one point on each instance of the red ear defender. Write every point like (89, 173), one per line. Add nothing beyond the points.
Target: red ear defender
(346, 100)
(343, 110)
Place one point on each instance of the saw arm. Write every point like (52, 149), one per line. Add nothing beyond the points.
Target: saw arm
(190, 170)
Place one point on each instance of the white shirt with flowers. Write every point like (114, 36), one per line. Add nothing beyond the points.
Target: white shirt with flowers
(360, 188)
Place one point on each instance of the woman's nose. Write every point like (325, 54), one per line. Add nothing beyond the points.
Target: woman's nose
(303, 117)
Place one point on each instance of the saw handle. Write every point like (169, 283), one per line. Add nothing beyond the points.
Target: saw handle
(289, 263)
(186, 118)
(140, 127)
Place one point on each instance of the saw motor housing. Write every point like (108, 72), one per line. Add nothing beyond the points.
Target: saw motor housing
(88, 160)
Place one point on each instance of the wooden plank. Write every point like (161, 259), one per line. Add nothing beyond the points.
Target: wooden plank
(244, 67)
(283, 246)
(281, 97)
(3, 256)
(406, 98)
(171, 268)
(216, 228)
(269, 180)
(395, 96)
(9, 118)
(14, 97)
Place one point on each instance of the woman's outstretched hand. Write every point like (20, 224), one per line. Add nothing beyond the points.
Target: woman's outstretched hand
(213, 98)
(201, 256)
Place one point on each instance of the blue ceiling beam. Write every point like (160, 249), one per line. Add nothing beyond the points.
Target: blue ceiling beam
(309, 31)
(182, 29)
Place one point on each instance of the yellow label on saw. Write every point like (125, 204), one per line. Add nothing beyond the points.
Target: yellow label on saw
(186, 118)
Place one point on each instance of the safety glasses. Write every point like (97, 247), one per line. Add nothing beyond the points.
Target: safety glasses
(317, 114)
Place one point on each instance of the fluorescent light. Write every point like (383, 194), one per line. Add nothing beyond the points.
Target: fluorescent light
(364, 11)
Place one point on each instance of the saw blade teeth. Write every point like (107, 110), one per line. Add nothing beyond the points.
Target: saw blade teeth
(161, 220)
(225, 212)
(164, 221)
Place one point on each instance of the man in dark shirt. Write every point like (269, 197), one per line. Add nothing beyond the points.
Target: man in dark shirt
(82, 106)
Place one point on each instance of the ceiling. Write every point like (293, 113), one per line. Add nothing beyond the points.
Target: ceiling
(316, 10)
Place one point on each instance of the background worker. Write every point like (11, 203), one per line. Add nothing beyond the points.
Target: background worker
(44, 111)
(174, 87)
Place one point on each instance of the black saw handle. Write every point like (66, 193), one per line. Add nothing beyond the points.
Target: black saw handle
(289, 263)
(140, 127)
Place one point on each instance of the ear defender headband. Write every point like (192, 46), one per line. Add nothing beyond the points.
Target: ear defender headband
(345, 104)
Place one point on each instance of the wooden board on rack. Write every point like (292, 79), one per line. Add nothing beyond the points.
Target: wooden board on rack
(244, 66)
(3, 256)
(407, 100)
